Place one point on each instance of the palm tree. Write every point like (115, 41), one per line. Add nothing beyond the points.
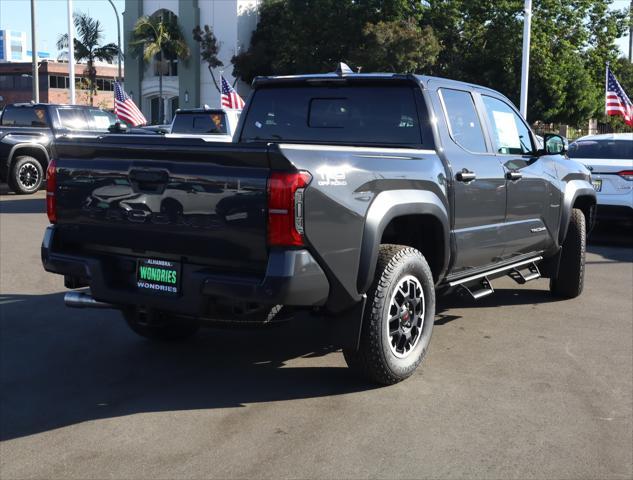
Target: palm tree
(88, 47)
(159, 37)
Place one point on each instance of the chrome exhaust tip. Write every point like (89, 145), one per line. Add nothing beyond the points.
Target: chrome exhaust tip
(84, 300)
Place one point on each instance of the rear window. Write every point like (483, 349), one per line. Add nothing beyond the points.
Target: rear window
(24, 117)
(347, 114)
(607, 149)
(200, 123)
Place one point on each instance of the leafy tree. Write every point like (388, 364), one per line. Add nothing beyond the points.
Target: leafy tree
(87, 47)
(159, 37)
(571, 41)
(209, 49)
(387, 46)
(309, 36)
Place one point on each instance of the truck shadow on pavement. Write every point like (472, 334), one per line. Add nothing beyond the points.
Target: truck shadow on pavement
(23, 205)
(60, 367)
(63, 366)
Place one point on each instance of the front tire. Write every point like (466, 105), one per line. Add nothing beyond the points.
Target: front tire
(569, 282)
(398, 319)
(26, 175)
(161, 326)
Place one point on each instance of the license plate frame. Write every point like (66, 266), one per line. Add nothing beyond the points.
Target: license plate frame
(158, 276)
(596, 183)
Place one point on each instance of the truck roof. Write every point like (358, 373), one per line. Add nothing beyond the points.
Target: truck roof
(25, 104)
(422, 80)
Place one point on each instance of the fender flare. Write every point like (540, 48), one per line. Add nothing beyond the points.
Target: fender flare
(17, 146)
(391, 204)
(574, 189)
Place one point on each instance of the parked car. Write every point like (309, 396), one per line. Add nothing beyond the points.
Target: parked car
(610, 159)
(212, 125)
(355, 196)
(28, 130)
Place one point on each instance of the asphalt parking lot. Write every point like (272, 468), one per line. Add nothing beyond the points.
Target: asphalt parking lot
(518, 385)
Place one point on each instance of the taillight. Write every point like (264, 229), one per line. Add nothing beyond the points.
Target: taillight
(51, 186)
(285, 208)
(626, 175)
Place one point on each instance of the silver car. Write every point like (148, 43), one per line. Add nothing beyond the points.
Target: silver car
(609, 157)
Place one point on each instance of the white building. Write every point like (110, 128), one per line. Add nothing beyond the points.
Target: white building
(13, 47)
(188, 84)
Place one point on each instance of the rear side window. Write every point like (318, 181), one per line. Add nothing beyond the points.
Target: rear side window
(604, 149)
(200, 123)
(73, 119)
(339, 114)
(463, 120)
(24, 117)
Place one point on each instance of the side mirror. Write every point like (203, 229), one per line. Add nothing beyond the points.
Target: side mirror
(117, 127)
(554, 144)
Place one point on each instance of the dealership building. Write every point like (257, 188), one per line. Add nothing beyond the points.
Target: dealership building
(187, 83)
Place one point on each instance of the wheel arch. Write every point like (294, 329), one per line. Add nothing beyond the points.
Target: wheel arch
(34, 150)
(405, 217)
(578, 194)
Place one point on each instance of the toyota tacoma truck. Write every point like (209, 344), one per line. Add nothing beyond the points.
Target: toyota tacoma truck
(355, 196)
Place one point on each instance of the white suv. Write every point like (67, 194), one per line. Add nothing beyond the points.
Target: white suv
(610, 159)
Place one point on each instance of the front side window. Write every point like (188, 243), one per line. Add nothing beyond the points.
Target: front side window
(462, 119)
(509, 133)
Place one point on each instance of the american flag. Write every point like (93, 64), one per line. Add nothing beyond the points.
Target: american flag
(125, 109)
(617, 102)
(230, 98)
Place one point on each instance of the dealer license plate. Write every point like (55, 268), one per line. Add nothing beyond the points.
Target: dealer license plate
(158, 276)
(597, 185)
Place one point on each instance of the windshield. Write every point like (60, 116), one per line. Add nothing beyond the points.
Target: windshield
(344, 114)
(605, 149)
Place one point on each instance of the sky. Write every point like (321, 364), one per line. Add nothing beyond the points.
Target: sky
(52, 19)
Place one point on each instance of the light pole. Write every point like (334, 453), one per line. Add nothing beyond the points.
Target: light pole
(631, 33)
(71, 52)
(36, 77)
(525, 63)
(118, 36)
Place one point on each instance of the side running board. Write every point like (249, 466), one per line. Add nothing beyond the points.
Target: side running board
(479, 286)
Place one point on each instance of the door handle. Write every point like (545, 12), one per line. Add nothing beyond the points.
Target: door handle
(465, 176)
(514, 176)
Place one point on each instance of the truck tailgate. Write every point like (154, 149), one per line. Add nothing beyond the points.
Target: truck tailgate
(173, 199)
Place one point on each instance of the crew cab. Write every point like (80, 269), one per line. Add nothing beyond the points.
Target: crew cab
(27, 131)
(353, 196)
(212, 125)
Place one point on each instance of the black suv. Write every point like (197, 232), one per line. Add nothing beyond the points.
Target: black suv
(28, 130)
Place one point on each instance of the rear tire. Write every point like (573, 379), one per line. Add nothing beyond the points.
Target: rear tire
(26, 175)
(161, 326)
(398, 319)
(570, 279)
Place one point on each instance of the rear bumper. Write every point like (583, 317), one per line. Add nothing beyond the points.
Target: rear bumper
(292, 278)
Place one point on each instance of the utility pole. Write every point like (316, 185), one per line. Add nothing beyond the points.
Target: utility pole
(71, 53)
(35, 74)
(631, 33)
(525, 63)
(118, 37)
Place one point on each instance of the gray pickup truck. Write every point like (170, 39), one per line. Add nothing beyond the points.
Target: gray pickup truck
(355, 196)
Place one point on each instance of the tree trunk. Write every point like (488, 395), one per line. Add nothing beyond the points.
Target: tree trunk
(92, 74)
(161, 106)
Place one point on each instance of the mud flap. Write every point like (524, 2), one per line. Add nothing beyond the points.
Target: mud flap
(347, 326)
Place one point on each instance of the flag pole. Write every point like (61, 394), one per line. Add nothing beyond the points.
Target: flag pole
(606, 89)
(71, 53)
(525, 62)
